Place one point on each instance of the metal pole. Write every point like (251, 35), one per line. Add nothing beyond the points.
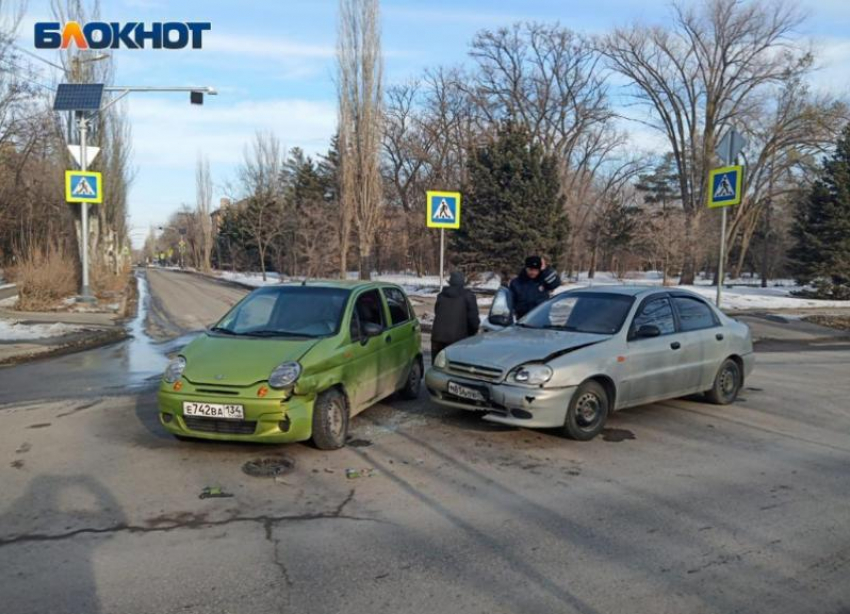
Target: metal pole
(442, 252)
(722, 253)
(85, 294)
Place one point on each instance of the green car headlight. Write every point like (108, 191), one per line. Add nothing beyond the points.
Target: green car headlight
(174, 370)
(533, 374)
(285, 375)
(440, 360)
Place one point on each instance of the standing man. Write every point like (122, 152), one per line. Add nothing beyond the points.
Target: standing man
(533, 285)
(455, 315)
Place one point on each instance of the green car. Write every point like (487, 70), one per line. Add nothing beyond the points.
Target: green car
(294, 362)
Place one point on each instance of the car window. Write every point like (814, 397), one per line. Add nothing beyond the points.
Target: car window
(693, 313)
(368, 308)
(657, 312)
(286, 311)
(396, 301)
(583, 312)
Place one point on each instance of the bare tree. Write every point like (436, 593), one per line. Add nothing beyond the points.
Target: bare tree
(702, 74)
(260, 176)
(203, 204)
(360, 70)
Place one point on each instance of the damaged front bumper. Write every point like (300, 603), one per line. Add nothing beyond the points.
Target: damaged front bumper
(524, 406)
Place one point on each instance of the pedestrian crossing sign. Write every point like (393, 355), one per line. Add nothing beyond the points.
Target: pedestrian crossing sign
(443, 209)
(83, 187)
(724, 185)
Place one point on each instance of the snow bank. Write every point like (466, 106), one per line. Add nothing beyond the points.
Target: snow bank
(738, 294)
(12, 330)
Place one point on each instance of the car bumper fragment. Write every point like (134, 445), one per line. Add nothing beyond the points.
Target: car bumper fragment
(506, 404)
(266, 420)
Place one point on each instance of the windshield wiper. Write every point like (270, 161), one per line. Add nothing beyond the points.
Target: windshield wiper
(273, 333)
(225, 331)
(569, 329)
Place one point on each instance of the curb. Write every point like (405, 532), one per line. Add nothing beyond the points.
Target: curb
(76, 342)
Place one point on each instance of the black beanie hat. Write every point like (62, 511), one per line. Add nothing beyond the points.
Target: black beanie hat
(533, 262)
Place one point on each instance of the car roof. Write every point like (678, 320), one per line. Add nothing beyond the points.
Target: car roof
(344, 284)
(623, 290)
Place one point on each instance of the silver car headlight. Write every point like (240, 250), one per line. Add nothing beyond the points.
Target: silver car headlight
(285, 375)
(174, 370)
(440, 360)
(533, 374)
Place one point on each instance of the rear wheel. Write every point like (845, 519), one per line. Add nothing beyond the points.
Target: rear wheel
(413, 382)
(727, 383)
(330, 420)
(587, 413)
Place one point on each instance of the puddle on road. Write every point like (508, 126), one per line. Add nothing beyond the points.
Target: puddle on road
(127, 366)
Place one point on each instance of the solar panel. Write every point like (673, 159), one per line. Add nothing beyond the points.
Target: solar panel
(78, 97)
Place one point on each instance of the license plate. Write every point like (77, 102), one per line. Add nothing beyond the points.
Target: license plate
(463, 392)
(213, 410)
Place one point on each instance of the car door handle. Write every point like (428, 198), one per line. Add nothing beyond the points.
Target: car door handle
(675, 345)
(719, 336)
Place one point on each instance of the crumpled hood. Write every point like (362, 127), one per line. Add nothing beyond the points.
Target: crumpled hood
(516, 345)
(240, 361)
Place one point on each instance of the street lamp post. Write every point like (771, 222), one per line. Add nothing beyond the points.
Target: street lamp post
(196, 97)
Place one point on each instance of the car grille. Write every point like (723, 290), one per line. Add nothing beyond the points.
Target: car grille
(487, 374)
(225, 427)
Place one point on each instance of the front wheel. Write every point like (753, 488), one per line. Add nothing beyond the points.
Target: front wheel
(727, 383)
(587, 413)
(330, 420)
(413, 382)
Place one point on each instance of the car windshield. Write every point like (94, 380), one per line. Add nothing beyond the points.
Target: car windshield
(581, 312)
(286, 311)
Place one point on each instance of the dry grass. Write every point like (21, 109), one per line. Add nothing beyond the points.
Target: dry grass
(105, 284)
(45, 276)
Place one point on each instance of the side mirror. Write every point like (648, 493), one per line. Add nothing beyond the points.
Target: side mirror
(501, 314)
(648, 330)
(370, 329)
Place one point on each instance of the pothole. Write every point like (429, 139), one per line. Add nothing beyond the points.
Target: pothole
(268, 467)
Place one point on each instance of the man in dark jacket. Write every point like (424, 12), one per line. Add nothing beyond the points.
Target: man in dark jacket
(455, 315)
(533, 285)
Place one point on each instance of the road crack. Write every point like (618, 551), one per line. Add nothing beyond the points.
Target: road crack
(192, 522)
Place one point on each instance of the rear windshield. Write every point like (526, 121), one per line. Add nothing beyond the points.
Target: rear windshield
(581, 312)
(286, 311)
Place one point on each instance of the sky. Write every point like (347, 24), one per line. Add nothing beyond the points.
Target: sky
(272, 62)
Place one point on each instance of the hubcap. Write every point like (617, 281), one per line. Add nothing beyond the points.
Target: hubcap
(335, 419)
(587, 410)
(729, 380)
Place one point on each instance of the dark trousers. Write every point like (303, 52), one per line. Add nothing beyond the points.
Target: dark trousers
(436, 348)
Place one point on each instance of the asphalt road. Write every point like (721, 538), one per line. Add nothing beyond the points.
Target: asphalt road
(680, 507)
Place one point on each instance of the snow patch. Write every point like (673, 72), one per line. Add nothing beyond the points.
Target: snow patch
(12, 330)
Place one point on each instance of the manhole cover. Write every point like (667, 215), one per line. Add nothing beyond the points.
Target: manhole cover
(268, 467)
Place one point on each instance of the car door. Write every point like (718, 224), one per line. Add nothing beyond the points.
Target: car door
(399, 339)
(363, 381)
(652, 363)
(703, 342)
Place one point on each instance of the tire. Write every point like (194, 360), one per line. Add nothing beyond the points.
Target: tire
(330, 420)
(413, 383)
(727, 383)
(587, 413)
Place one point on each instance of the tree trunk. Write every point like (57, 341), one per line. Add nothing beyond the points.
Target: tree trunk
(688, 268)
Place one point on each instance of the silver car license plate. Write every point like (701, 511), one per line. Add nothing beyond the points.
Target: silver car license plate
(213, 410)
(464, 392)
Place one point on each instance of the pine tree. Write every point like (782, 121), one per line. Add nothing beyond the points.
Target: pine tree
(821, 255)
(512, 206)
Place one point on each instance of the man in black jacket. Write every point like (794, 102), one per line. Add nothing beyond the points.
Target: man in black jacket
(455, 315)
(533, 285)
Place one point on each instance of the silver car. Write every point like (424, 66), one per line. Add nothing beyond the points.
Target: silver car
(585, 353)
